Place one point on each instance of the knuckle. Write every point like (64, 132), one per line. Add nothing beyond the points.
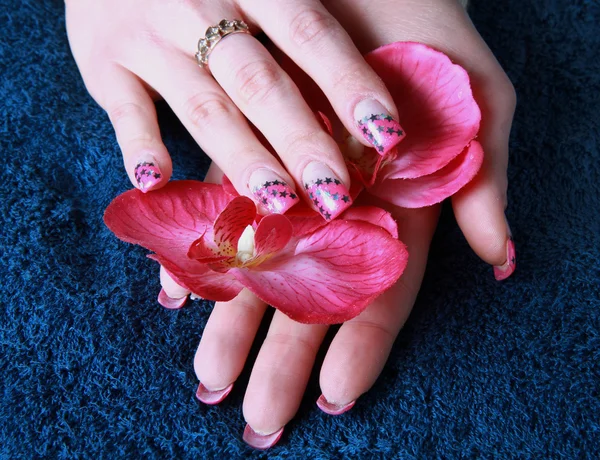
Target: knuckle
(256, 80)
(379, 328)
(353, 79)
(123, 111)
(311, 141)
(202, 109)
(311, 26)
(286, 342)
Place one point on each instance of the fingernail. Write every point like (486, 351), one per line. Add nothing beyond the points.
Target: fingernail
(333, 409)
(212, 397)
(502, 272)
(327, 194)
(377, 126)
(272, 193)
(147, 174)
(170, 302)
(261, 441)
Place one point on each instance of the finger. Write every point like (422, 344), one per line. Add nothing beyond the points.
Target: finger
(480, 206)
(279, 378)
(172, 295)
(362, 345)
(272, 102)
(221, 131)
(314, 39)
(133, 115)
(225, 345)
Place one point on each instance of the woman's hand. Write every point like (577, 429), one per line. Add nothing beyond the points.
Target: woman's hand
(361, 346)
(129, 50)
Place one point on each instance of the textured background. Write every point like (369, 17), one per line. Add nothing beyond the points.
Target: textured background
(93, 366)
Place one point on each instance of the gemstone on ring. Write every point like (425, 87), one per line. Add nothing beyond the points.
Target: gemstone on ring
(202, 45)
(212, 33)
(226, 26)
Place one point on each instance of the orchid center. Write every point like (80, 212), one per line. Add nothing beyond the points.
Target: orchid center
(245, 246)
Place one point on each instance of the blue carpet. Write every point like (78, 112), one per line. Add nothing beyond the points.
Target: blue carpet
(94, 367)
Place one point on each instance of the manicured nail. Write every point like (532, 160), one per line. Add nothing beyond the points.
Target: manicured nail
(327, 194)
(502, 272)
(147, 174)
(272, 193)
(333, 409)
(261, 441)
(169, 302)
(212, 397)
(377, 126)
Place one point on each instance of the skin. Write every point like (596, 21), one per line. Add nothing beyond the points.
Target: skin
(120, 77)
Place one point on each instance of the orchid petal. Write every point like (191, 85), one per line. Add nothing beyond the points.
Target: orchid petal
(272, 235)
(373, 215)
(230, 224)
(435, 103)
(167, 221)
(436, 187)
(199, 278)
(205, 251)
(228, 186)
(334, 274)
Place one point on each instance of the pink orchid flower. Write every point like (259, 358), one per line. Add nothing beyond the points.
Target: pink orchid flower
(439, 154)
(214, 244)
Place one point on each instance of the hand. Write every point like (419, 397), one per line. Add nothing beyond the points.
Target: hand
(280, 374)
(362, 345)
(131, 50)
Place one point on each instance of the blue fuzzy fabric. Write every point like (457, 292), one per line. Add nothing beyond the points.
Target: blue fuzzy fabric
(93, 366)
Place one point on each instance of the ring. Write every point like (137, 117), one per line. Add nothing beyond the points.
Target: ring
(215, 34)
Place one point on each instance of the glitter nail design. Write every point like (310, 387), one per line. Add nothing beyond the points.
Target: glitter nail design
(275, 196)
(147, 175)
(328, 196)
(381, 131)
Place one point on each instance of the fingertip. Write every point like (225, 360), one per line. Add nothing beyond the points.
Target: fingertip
(170, 287)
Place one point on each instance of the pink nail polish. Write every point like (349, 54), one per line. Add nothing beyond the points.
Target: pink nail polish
(377, 126)
(260, 441)
(169, 302)
(212, 397)
(327, 194)
(272, 193)
(502, 272)
(147, 175)
(333, 409)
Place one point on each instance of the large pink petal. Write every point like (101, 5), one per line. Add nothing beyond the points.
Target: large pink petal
(333, 276)
(272, 235)
(167, 221)
(435, 103)
(436, 187)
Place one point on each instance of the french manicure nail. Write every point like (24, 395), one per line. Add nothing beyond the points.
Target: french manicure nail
(212, 397)
(147, 174)
(170, 302)
(502, 272)
(333, 409)
(327, 194)
(377, 126)
(272, 193)
(261, 441)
